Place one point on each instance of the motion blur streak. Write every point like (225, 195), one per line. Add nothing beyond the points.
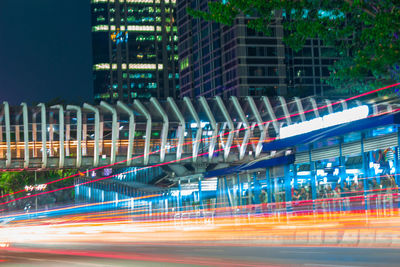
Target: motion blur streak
(350, 228)
(249, 226)
(72, 209)
(140, 257)
(211, 137)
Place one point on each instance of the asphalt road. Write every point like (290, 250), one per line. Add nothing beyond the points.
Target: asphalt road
(193, 254)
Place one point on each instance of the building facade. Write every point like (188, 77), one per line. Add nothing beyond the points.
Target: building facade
(134, 49)
(220, 60)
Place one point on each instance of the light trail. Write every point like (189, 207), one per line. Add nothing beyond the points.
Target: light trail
(205, 139)
(267, 228)
(79, 206)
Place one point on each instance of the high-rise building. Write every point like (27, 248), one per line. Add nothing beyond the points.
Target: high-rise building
(134, 49)
(219, 60)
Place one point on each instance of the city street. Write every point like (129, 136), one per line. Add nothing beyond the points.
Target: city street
(192, 254)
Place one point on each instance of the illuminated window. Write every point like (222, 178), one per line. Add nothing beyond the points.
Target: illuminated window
(152, 85)
(141, 75)
(100, 19)
(132, 66)
(131, 28)
(185, 63)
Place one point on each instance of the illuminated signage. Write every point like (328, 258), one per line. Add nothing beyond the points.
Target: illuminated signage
(333, 119)
(40, 187)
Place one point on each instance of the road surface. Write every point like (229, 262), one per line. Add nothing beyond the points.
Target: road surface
(193, 254)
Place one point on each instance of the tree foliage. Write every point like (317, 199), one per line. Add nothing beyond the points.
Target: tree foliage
(365, 33)
(11, 182)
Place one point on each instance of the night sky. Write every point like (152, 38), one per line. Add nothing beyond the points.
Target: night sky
(45, 51)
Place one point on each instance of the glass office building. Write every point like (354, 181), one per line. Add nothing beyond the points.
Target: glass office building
(220, 60)
(134, 49)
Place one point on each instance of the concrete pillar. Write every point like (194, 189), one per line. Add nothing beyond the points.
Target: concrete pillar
(78, 133)
(26, 134)
(44, 133)
(96, 151)
(114, 130)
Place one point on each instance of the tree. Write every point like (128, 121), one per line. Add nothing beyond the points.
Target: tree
(365, 33)
(11, 182)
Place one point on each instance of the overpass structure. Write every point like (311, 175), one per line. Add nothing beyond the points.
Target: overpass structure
(195, 135)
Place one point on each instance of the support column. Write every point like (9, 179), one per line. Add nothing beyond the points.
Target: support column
(256, 191)
(344, 104)
(260, 124)
(68, 134)
(60, 134)
(288, 189)
(271, 113)
(285, 110)
(96, 152)
(101, 137)
(44, 133)
(165, 127)
(26, 134)
(342, 173)
(132, 126)
(145, 113)
(269, 185)
(249, 191)
(114, 130)
(51, 133)
(365, 168)
(1, 134)
(34, 134)
(217, 192)
(78, 133)
(329, 106)
(199, 132)
(243, 118)
(294, 170)
(239, 190)
(200, 195)
(228, 192)
(300, 108)
(313, 179)
(213, 138)
(84, 134)
(8, 133)
(229, 121)
(17, 136)
(180, 196)
(181, 136)
(315, 107)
